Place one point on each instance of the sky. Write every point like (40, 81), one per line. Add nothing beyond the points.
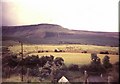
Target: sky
(92, 15)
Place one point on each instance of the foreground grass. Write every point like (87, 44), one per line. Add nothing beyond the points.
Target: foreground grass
(74, 76)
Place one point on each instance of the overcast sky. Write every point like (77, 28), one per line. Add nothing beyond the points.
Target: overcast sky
(92, 15)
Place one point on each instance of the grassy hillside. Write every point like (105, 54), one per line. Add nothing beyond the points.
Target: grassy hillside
(55, 34)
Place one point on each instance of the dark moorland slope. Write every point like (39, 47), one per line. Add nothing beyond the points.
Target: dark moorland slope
(56, 34)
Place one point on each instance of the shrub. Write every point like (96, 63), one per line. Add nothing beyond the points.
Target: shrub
(116, 65)
(40, 51)
(104, 52)
(83, 68)
(97, 69)
(84, 52)
(73, 67)
(46, 50)
(93, 69)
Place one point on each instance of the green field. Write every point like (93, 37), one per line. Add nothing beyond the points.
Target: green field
(65, 47)
(78, 58)
(72, 54)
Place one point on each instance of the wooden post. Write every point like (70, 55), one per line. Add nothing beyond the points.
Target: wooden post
(22, 59)
(85, 74)
(101, 75)
(110, 79)
(28, 78)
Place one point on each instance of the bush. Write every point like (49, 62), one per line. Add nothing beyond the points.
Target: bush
(73, 67)
(84, 51)
(93, 69)
(40, 51)
(104, 52)
(46, 50)
(83, 68)
(96, 69)
(116, 65)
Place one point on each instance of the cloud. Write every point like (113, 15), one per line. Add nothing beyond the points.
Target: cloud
(92, 15)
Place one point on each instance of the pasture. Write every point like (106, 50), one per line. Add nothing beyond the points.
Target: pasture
(66, 47)
(78, 58)
(72, 54)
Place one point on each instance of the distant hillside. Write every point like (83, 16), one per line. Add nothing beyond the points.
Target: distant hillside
(56, 34)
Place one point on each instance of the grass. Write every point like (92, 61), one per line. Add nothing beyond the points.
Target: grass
(75, 76)
(66, 47)
(78, 58)
(73, 53)
(17, 78)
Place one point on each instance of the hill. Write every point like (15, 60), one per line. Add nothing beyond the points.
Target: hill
(56, 34)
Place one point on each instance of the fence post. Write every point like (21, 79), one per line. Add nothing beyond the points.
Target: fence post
(22, 60)
(101, 75)
(85, 75)
(110, 79)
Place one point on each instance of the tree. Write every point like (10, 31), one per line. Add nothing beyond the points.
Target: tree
(106, 62)
(13, 61)
(95, 65)
(59, 61)
(95, 59)
(31, 61)
(93, 56)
